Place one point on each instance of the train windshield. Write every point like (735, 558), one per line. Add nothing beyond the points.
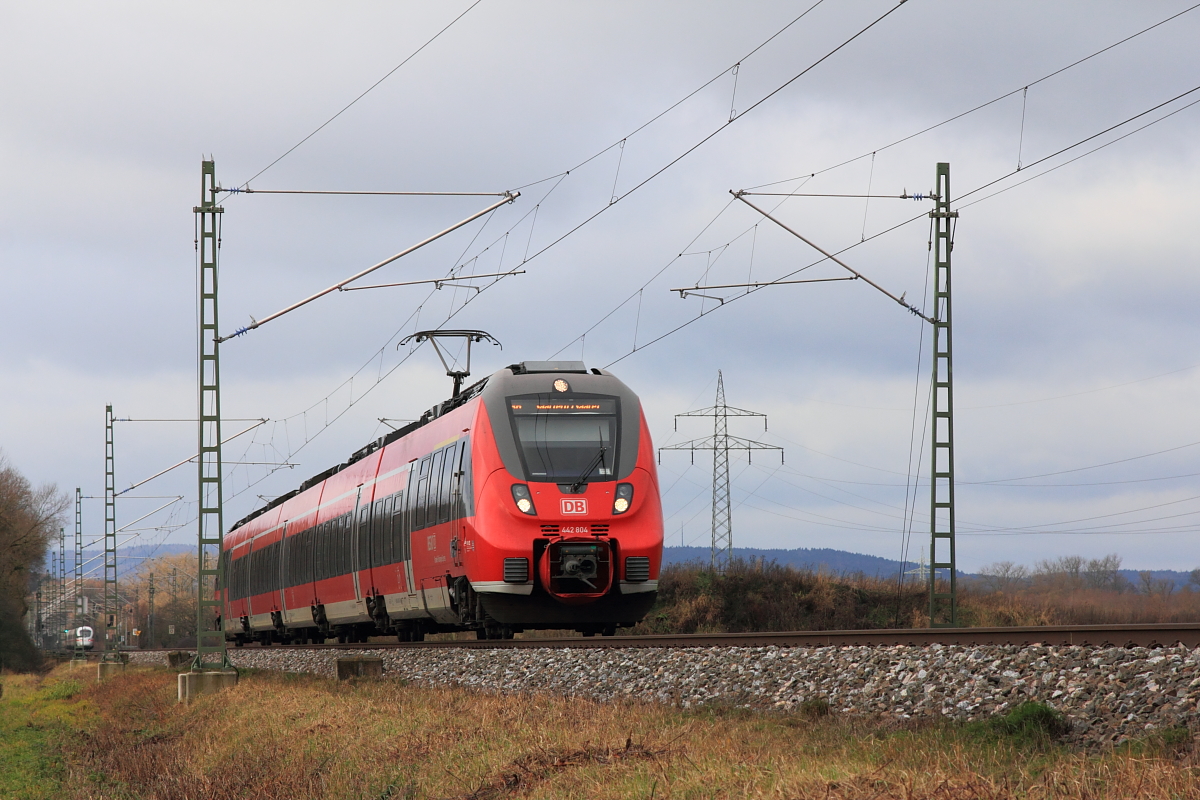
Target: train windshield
(566, 439)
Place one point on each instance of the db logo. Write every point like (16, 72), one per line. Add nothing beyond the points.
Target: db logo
(574, 505)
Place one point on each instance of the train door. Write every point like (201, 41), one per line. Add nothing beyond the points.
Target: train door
(454, 493)
(401, 548)
(378, 545)
(418, 499)
(360, 531)
(281, 569)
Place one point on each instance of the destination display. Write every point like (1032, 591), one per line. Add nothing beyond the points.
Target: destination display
(562, 405)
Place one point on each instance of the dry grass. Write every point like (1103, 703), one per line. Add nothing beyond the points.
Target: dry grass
(283, 737)
(1079, 606)
(753, 596)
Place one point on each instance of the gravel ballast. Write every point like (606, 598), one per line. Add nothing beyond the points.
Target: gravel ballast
(1107, 693)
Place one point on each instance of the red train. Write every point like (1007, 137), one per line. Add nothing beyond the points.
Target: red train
(528, 501)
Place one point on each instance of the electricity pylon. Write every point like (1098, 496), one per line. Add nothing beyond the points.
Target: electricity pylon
(721, 443)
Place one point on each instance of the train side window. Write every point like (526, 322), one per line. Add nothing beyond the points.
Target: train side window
(231, 578)
(365, 534)
(277, 553)
(304, 573)
(306, 554)
(434, 489)
(419, 500)
(381, 533)
(292, 558)
(338, 544)
(253, 572)
(320, 560)
(446, 495)
(334, 547)
(344, 551)
(399, 533)
(466, 500)
(270, 566)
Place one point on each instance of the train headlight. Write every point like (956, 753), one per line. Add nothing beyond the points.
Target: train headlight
(623, 499)
(523, 499)
(561, 386)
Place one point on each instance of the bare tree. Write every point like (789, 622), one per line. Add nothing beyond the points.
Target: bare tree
(1004, 576)
(29, 518)
(1194, 578)
(1105, 574)
(1060, 573)
(1150, 585)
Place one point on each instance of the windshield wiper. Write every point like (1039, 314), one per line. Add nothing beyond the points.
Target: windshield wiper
(582, 479)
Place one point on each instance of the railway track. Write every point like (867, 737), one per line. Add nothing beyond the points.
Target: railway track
(1145, 635)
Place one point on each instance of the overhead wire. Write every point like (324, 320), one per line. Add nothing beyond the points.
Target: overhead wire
(729, 301)
(391, 72)
(982, 106)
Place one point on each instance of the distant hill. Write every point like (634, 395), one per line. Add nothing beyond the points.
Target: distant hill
(842, 561)
(837, 561)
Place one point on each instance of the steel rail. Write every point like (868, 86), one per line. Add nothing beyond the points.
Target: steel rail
(1142, 635)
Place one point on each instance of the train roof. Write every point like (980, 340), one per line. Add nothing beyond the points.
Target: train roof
(444, 407)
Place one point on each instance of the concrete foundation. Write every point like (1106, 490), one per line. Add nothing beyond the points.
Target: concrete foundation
(107, 669)
(194, 684)
(359, 667)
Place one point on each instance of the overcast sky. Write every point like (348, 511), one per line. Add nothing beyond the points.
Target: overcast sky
(1076, 342)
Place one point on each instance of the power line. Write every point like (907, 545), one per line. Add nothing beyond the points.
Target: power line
(364, 94)
(982, 106)
(910, 220)
(1093, 466)
(720, 128)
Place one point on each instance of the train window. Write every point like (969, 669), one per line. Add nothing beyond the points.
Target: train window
(277, 565)
(306, 555)
(320, 552)
(291, 556)
(399, 534)
(254, 559)
(365, 534)
(333, 548)
(565, 439)
(345, 553)
(466, 502)
(435, 491)
(337, 543)
(268, 567)
(231, 578)
(419, 499)
(291, 559)
(446, 497)
(381, 533)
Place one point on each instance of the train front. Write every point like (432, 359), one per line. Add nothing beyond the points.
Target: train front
(568, 527)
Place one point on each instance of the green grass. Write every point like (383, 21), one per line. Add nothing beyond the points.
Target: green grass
(1034, 725)
(33, 719)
